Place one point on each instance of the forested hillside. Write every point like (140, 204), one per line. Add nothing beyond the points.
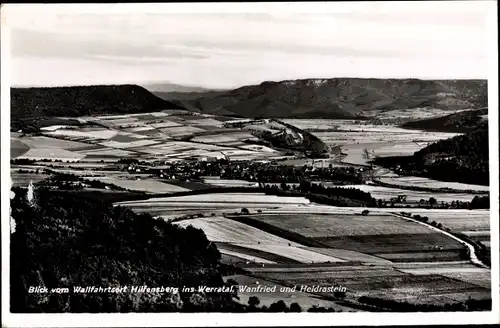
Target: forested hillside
(63, 240)
(30, 106)
(461, 122)
(463, 158)
(342, 97)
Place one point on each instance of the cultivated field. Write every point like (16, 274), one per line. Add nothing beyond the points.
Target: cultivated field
(216, 181)
(387, 193)
(305, 300)
(387, 283)
(146, 136)
(298, 254)
(407, 181)
(219, 229)
(147, 185)
(379, 235)
(316, 226)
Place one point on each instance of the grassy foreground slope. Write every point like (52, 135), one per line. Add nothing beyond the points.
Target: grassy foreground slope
(65, 240)
(30, 105)
(463, 158)
(342, 97)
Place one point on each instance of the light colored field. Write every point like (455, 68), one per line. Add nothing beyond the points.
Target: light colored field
(387, 193)
(53, 127)
(331, 276)
(305, 300)
(106, 151)
(477, 234)
(348, 255)
(23, 179)
(292, 252)
(343, 225)
(473, 275)
(52, 153)
(429, 183)
(77, 165)
(140, 128)
(230, 183)
(239, 198)
(434, 214)
(219, 229)
(181, 130)
(356, 152)
(311, 269)
(457, 220)
(47, 142)
(125, 145)
(96, 134)
(147, 185)
(380, 136)
(206, 122)
(246, 257)
(123, 121)
(215, 138)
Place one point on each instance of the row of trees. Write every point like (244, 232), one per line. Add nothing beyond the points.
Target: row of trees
(403, 306)
(281, 306)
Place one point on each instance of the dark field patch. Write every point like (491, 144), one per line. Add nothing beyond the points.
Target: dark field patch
(97, 156)
(17, 148)
(436, 256)
(391, 243)
(88, 147)
(191, 185)
(391, 286)
(224, 118)
(23, 179)
(189, 117)
(256, 253)
(151, 132)
(174, 118)
(146, 117)
(229, 259)
(123, 138)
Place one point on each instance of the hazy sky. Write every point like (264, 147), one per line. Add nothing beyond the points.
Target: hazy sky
(60, 45)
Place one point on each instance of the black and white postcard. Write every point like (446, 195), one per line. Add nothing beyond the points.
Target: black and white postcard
(249, 164)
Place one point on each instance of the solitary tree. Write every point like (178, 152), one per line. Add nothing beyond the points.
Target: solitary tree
(432, 201)
(380, 203)
(253, 301)
(295, 307)
(279, 306)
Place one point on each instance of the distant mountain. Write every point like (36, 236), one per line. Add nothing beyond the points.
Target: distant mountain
(34, 104)
(342, 97)
(458, 122)
(168, 87)
(463, 158)
(183, 96)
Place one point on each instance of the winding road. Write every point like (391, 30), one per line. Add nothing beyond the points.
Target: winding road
(472, 252)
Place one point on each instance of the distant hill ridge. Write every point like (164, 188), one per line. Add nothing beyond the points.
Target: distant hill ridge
(76, 101)
(340, 97)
